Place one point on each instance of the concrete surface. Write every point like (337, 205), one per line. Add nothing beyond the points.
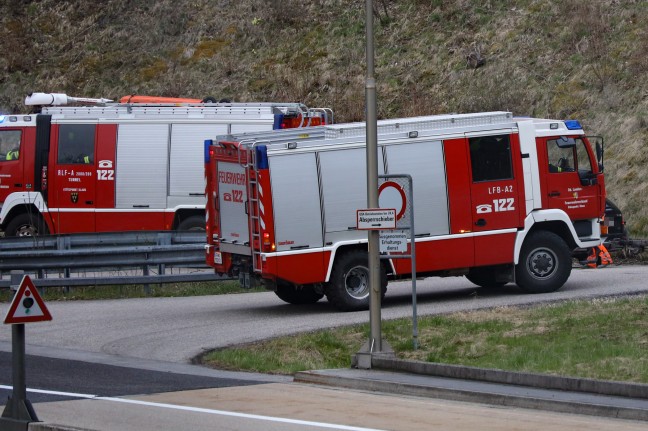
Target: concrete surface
(306, 407)
(404, 397)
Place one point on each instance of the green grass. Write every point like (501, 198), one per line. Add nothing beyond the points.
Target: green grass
(138, 291)
(602, 339)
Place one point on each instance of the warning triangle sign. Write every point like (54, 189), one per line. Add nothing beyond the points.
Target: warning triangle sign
(27, 305)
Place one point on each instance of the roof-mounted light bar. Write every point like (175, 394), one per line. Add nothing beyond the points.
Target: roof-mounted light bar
(573, 125)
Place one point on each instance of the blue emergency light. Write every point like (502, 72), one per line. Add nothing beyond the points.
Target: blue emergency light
(573, 125)
(208, 143)
(278, 121)
(261, 156)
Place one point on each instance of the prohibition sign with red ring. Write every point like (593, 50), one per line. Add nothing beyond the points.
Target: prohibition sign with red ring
(392, 195)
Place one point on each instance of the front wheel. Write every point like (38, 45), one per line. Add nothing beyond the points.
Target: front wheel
(545, 263)
(348, 288)
(26, 225)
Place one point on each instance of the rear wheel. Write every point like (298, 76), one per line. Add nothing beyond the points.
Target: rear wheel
(192, 223)
(26, 225)
(349, 288)
(306, 294)
(545, 263)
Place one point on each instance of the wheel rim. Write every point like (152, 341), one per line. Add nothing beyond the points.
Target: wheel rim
(542, 263)
(356, 282)
(26, 230)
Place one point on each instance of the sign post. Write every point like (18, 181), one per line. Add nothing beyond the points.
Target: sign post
(26, 306)
(397, 190)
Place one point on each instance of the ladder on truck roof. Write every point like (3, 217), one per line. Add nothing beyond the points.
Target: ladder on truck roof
(55, 104)
(340, 133)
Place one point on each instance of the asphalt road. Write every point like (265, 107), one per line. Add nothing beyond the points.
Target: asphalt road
(80, 377)
(178, 329)
(123, 364)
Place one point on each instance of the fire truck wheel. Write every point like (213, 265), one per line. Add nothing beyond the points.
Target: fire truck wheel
(26, 225)
(192, 223)
(545, 263)
(484, 277)
(306, 294)
(348, 289)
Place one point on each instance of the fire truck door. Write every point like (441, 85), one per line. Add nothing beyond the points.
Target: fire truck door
(497, 196)
(72, 197)
(569, 182)
(12, 156)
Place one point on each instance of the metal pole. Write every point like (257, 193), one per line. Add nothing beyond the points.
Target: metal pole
(19, 381)
(375, 341)
(413, 259)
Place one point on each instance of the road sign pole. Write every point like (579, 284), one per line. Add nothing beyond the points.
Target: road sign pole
(18, 412)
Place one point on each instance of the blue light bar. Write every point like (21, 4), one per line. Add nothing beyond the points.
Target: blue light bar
(278, 120)
(207, 143)
(573, 125)
(262, 156)
(2, 117)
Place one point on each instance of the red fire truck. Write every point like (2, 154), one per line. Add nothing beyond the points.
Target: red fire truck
(498, 199)
(99, 166)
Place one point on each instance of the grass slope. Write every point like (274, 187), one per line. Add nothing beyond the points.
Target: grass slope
(583, 59)
(600, 339)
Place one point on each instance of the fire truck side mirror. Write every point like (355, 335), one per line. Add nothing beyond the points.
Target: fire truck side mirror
(599, 154)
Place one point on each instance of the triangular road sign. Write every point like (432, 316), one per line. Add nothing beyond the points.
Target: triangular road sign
(27, 305)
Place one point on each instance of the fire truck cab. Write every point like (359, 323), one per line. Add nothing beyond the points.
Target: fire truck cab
(99, 166)
(498, 199)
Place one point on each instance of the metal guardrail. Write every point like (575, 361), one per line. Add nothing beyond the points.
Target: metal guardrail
(74, 255)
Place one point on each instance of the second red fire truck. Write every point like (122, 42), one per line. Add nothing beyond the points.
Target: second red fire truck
(497, 198)
(91, 165)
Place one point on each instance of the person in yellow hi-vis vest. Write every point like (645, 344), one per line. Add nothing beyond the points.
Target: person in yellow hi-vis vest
(13, 155)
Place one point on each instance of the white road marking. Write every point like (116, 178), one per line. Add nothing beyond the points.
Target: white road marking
(199, 410)
(43, 391)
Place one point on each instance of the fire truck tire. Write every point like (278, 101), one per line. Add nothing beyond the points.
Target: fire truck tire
(292, 294)
(348, 288)
(192, 223)
(545, 263)
(484, 277)
(26, 225)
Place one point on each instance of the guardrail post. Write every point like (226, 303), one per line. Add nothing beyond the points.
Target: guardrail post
(64, 243)
(41, 274)
(147, 287)
(163, 239)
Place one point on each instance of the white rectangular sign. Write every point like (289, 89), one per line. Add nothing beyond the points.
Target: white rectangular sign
(376, 219)
(394, 241)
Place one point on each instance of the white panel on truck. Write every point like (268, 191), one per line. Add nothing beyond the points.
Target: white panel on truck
(296, 201)
(425, 163)
(232, 198)
(248, 127)
(344, 188)
(186, 163)
(141, 182)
